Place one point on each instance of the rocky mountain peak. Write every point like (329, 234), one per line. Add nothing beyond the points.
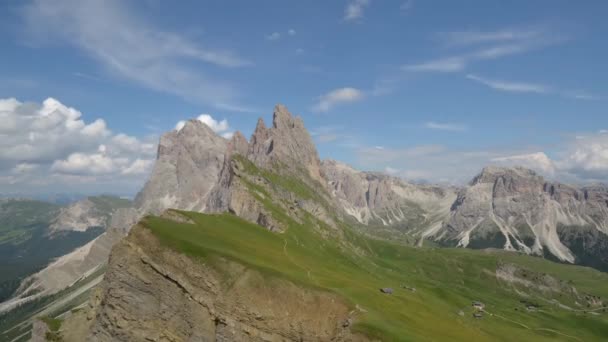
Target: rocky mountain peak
(238, 144)
(188, 164)
(287, 142)
(491, 174)
(283, 120)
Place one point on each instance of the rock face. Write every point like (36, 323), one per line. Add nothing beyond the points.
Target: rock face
(79, 216)
(187, 167)
(152, 293)
(89, 212)
(378, 200)
(510, 208)
(516, 209)
(287, 142)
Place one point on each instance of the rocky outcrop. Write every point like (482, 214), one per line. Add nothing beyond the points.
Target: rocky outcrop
(375, 199)
(89, 212)
(79, 216)
(188, 165)
(517, 209)
(152, 293)
(287, 143)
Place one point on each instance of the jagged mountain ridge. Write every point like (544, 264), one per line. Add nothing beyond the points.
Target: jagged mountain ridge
(199, 171)
(524, 212)
(510, 208)
(195, 170)
(260, 181)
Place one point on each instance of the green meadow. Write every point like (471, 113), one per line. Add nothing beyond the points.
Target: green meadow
(446, 281)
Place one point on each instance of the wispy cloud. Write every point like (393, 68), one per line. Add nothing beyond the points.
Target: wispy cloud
(484, 45)
(517, 87)
(462, 38)
(278, 35)
(273, 36)
(133, 49)
(336, 97)
(354, 9)
(406, 5)
(449, 64)
(525, 87)
(443, 126)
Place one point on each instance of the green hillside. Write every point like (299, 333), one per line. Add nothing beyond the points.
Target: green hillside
(546, 302)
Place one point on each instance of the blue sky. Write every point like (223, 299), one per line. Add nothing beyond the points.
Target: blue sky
(425, 90)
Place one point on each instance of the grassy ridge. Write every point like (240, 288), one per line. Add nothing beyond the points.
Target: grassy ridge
(447, 280)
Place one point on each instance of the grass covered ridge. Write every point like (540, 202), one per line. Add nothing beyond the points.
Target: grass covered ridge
(446, 281)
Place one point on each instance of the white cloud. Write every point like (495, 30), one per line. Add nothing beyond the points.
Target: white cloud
(524, 87)
(39, 140)
(582, 158)
(445, 126)
(273, 36)
(354, 9)
(536, 161)
(278, 35)
(462, 38)
(586, 157)
(336, 97)
(517, 87)
(24, 168)
(220, 127)
(484, 45)
(131, 48)
(449, 64)
(81, 163)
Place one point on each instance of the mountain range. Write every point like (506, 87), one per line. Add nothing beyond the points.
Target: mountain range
(277, 181)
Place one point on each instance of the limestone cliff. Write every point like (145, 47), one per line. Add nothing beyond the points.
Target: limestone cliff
(151, 293)
(517, 209)
(385, 203)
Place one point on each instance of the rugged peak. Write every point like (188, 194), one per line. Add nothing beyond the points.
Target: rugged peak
(260, 126)
(287, 142)
(282, 119)
(238, 144)
(188, 164)
(490, 174)
(193, 130)
(195, 127)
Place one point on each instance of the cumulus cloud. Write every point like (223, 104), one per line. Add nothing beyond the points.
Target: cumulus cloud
(129, 47)
(336, 97)
(586, 157)
(220, 127)
(49, 140)
(354, 9)
(82, 163)
(582, 159)
(537, 161)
